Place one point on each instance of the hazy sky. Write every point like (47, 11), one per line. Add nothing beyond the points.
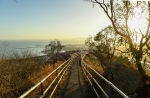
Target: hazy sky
(49, 19)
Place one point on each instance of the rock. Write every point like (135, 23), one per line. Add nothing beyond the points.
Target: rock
(118, 62)
(127, 80)
(108, 65)
(135, 95)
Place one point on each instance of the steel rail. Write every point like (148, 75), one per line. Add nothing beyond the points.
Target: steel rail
(58, 82)
(54, 80)
(73, 56)
(92, 85)
(60, 79)
(97, 83)
(39, 83)
(27, 92)
(111, 84)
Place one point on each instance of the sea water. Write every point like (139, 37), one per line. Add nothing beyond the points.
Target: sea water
(34, 46)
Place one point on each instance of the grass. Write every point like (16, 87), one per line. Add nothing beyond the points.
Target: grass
(148, 73)
(18, 74)
(94, 63)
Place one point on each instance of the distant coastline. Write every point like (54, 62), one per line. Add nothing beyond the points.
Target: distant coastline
(36, 46)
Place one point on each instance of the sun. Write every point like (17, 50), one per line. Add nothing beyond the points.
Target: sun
(138, 22)
(133, 24)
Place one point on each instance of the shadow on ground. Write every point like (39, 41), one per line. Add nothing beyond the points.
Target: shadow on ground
(74, 86)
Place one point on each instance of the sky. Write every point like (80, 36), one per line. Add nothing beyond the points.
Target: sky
(50, 19)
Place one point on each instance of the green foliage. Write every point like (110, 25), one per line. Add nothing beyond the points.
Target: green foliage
(103, 45)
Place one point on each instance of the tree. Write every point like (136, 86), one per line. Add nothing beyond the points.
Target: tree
(90, 43)
(104, 45)
(53, 49)
(106, 41)
(121, 14)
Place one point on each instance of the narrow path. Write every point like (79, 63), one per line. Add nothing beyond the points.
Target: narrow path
(74, 86)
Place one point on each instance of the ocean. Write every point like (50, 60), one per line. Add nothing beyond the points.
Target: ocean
(34, 46)
(7, 47)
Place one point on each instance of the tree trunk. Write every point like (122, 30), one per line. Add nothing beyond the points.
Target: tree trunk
(141, 70)
(102, 64)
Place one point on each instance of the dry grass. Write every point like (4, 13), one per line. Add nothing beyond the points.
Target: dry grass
(17, 75)
(37, 76)
(94, 63)
(148, 73)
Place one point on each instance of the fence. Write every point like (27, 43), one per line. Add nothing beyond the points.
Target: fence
(63, 68)
(86, 69)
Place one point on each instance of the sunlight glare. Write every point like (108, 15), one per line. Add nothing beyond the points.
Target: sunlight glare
(138, 23)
